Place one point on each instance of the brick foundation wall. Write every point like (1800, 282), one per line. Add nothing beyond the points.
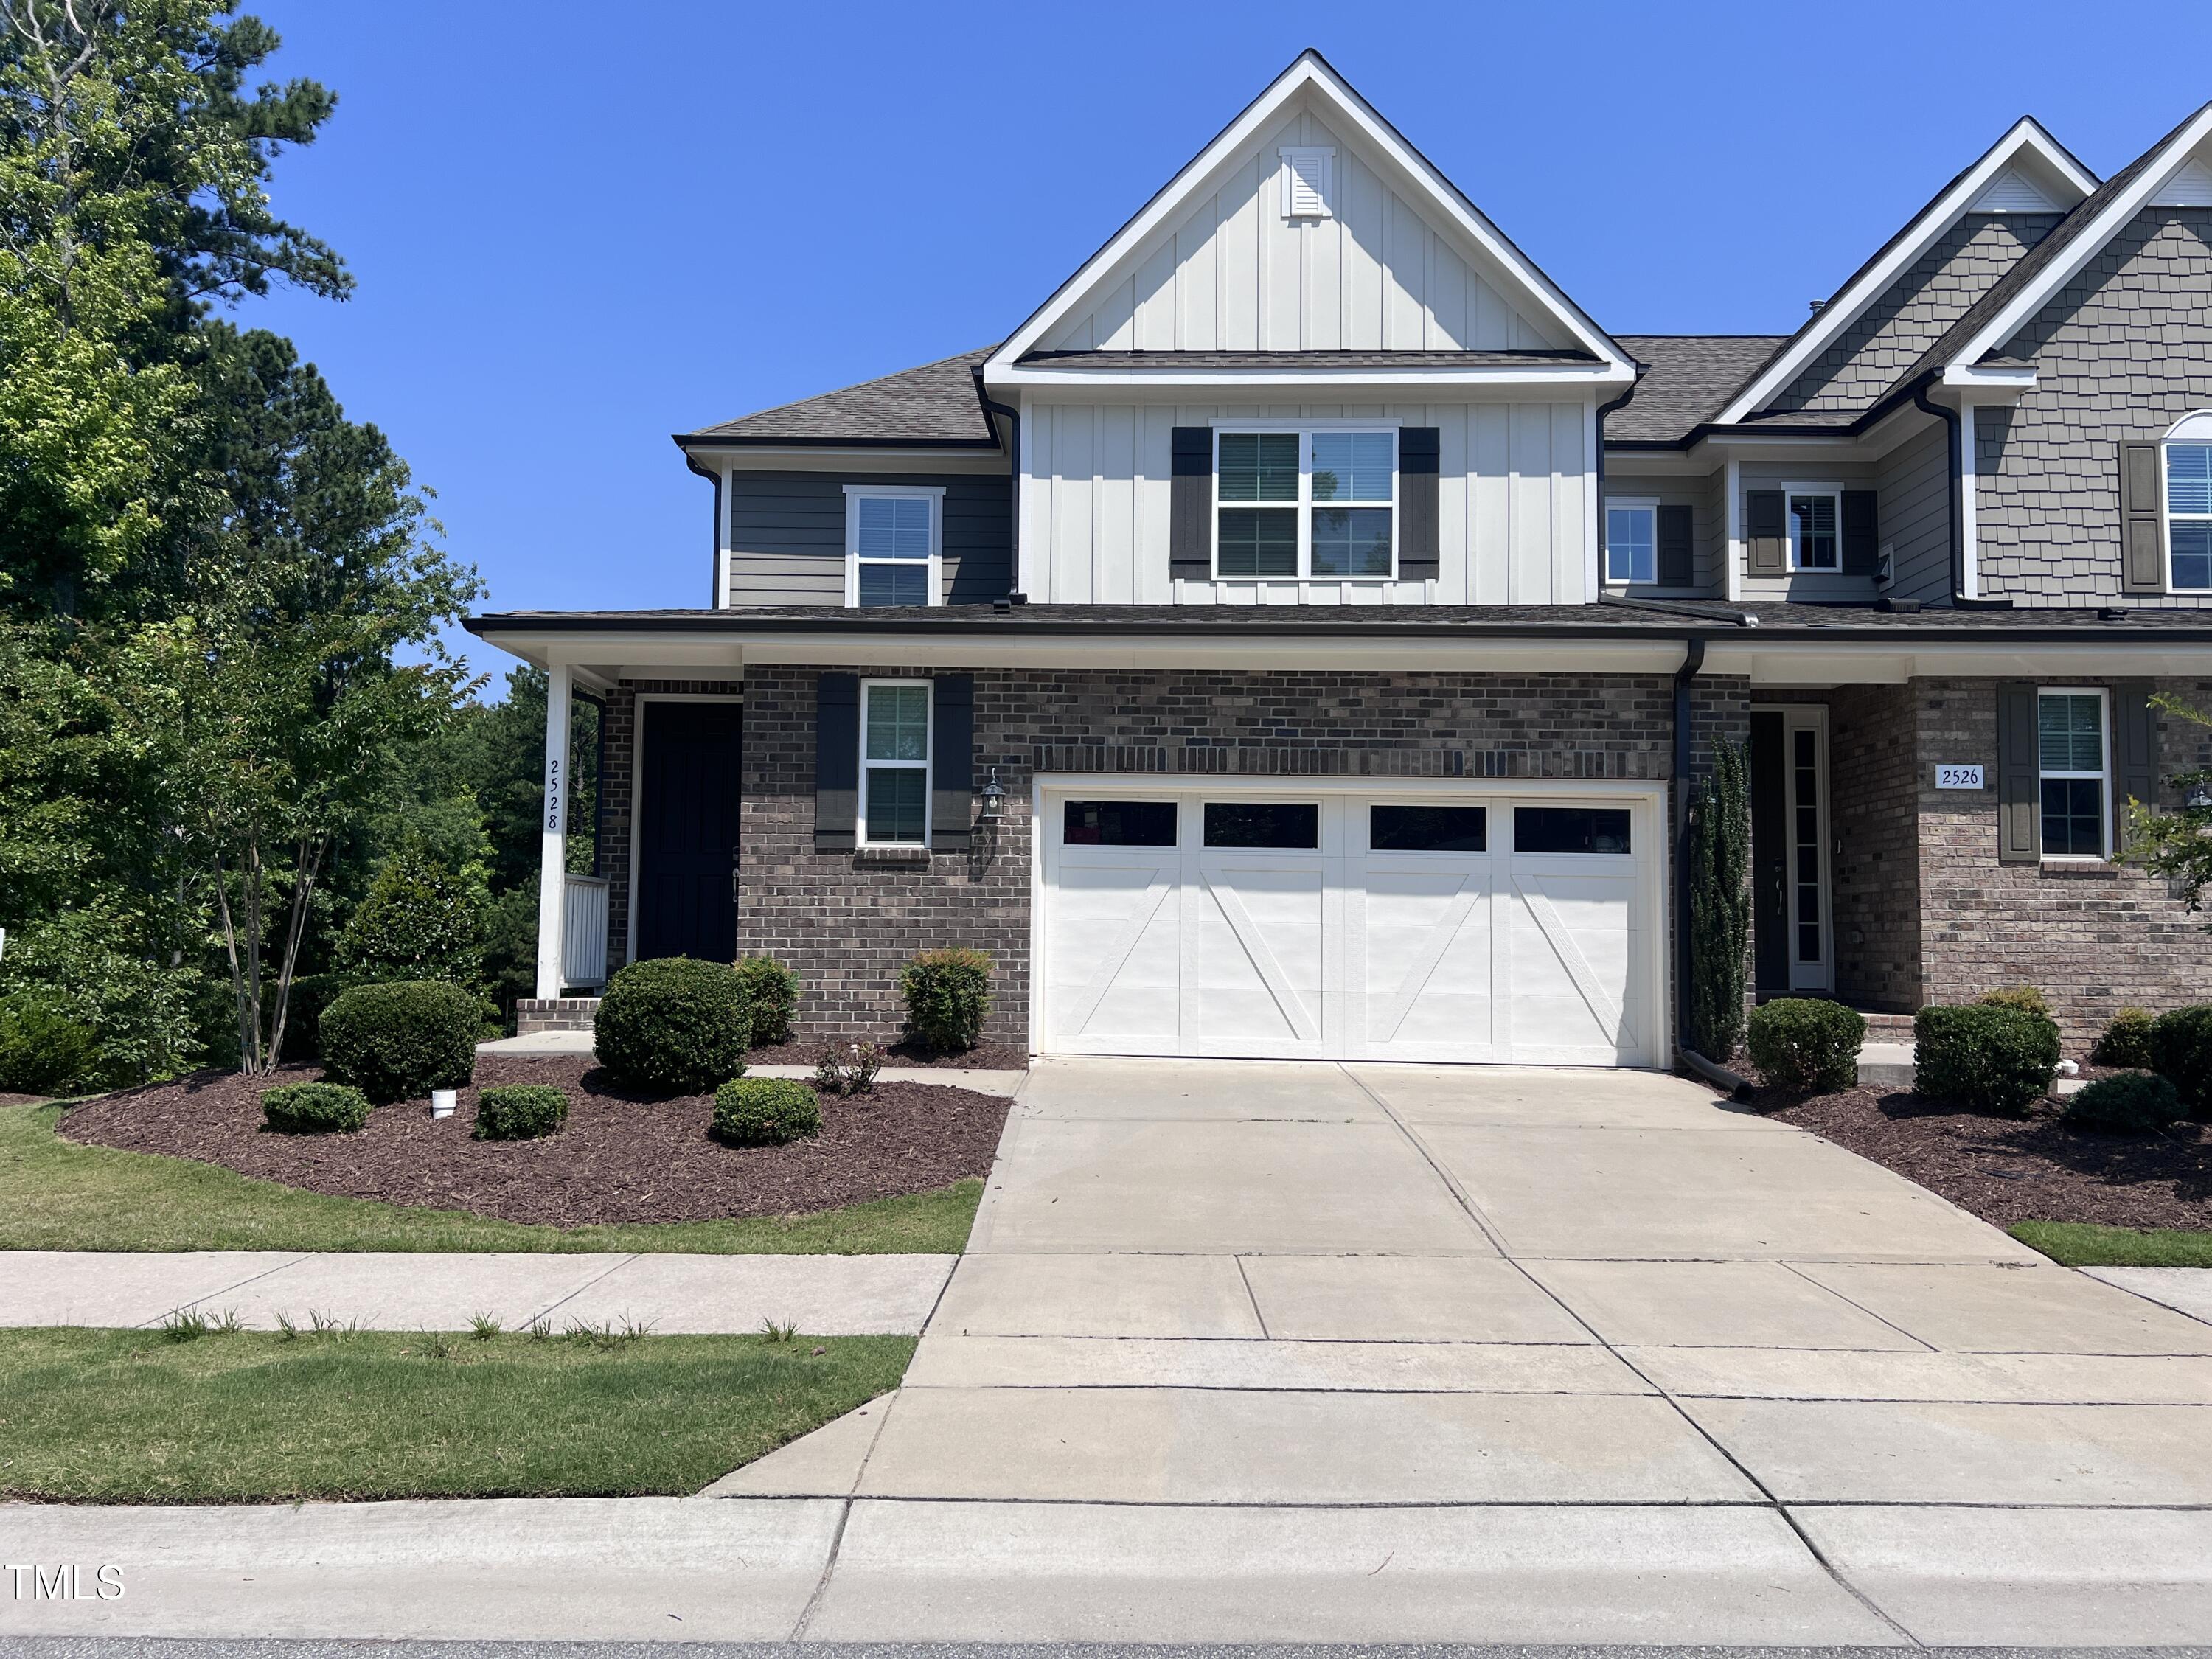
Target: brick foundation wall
(846, 924)
(2095, 939)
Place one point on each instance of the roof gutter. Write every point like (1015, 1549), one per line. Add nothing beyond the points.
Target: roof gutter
(1957, 499)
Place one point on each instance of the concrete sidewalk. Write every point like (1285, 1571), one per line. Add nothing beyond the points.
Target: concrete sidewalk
(823, 1295)
(982, 1080)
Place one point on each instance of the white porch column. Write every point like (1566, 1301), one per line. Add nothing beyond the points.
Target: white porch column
(553, 853)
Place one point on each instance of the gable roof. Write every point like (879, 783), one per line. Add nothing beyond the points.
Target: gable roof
(1686, 378)
(2015, 298)
(1309, 74)
(934, 406)
(2025, 146)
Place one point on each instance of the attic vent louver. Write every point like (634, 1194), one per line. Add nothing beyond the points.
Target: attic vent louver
(2190, 187)
(1309, 182)
(2014, 192)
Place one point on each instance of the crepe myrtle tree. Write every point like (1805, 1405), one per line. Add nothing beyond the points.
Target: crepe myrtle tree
(2177, 845)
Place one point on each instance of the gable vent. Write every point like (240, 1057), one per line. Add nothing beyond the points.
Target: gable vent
(2190, 187)
(1309, 182)
(2014, 192)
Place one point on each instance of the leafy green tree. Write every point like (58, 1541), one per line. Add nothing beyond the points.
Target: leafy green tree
(1720, 903)
(422, 919)
(2178, 845)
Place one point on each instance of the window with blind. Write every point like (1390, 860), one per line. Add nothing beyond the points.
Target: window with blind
(1296, 505)
(894, 764)
(2188, 513)
(1815, 534)
(2069, 727)
(892, 545)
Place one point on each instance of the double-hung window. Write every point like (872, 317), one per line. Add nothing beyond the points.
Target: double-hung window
(1632, 541)
(2189, 513)
(1815, 531)
(2069, 727)
(895, 763)
(1296, 505)
(894, 545)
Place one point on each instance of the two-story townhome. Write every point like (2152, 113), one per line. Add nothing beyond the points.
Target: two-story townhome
(1294, 637)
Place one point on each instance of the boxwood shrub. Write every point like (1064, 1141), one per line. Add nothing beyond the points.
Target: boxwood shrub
(313, 1108)
(947, 995)
(674, 1025)
(2125, 1042)
(766, 1111)
(520, 1111)
(1805, 1044)
(400, 1042)
(43, 1051)
(772, 995)
(2129, 1103)
(2181, 1051)
(1985, 1057)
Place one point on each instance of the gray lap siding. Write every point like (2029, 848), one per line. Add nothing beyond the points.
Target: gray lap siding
(847, 925)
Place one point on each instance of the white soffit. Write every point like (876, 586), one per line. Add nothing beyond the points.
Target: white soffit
(1310, 76)
(2014, 192)
(2027, 152)
(2192, 186)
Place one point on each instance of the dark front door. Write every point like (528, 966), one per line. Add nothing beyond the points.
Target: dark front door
(1770, 858)
(686, 824)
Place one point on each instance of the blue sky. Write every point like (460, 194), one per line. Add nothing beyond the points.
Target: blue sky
(572, 240)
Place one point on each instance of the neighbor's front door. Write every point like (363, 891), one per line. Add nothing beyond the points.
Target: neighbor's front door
(685, 823)
(1791, 912)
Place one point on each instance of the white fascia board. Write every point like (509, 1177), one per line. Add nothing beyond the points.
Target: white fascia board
(2052, 280)
(1308, 73)
(1123, 383)
(2027, 137)
(1982, 377)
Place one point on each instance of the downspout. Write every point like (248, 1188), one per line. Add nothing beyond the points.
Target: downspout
(993, 406)
(715, 537)
(1956, 502)
(1604, 409)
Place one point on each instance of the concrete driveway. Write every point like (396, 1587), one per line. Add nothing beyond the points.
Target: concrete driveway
(1246, 1351)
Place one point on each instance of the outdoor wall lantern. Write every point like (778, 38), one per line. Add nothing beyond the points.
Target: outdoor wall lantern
(2200, 798)
(994, 798)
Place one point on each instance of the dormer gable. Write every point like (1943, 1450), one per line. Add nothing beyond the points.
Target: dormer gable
(1310, 226)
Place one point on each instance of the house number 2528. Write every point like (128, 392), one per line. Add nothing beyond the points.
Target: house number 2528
(552, 794)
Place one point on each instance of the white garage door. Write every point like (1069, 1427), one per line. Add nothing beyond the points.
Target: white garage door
(1420, 926)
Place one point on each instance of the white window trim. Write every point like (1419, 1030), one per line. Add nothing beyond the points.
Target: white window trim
(860, 836)
(2104, 777)
(1632, 504)
(934, 495)
(1305, 431)
(1835, 492)
(2195, 428)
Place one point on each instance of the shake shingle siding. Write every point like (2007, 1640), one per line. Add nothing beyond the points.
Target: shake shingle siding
(2123, 353)
(1866, 359)
(1914, 481)
(788, 536)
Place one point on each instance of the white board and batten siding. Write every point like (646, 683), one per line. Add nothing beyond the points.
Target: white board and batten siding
(1238, 275)
(1515, 522)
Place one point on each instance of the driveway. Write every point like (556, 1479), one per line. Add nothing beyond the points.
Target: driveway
(1243, 1350)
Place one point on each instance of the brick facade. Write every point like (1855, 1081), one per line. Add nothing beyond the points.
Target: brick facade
(1876, 871)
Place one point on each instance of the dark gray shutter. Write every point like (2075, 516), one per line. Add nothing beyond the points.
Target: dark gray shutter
(1420, 450)
(1767, 532)
(1190, 504)
(952, 762)
(1674, 567)
(1861, 530)
(2135, 754)
(837, 761)
(2142, 552)
(2019, 776)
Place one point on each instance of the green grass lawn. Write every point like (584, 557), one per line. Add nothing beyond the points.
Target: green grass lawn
(132, 1417)
(2077, 1244)
(56, 1195)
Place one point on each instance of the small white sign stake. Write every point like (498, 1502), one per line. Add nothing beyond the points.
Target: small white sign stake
(1959, 777)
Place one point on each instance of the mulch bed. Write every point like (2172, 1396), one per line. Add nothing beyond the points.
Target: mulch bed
(2010, 1170)
(620, 1157)
(983, 1058)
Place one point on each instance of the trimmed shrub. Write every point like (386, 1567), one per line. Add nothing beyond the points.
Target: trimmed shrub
(1986, 1057)
(420, 919)
(772, 993)
(1805, 1044)
(2125, 1042)
(1720, 903)
(765, 1111)
(2131, 1103)
(400, 1042)
(314, 1108)
(2181, 1051)
(947, 995)
(2024, 997)
(674, 1025)
(520, 1111)
(42, 1050)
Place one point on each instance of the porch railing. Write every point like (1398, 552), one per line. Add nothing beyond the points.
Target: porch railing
(584, 931)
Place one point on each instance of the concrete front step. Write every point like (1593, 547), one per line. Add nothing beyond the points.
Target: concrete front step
(1889, 1065)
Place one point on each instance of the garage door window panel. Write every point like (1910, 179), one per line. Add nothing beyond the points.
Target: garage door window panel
(895, 763)
(1263, 824)
(1428, 829)
(1118, 824)
(1575, 830)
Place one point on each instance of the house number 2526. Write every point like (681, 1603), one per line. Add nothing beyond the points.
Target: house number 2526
(1959, 777)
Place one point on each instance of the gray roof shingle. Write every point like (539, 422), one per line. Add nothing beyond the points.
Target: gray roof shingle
(934, 403)
(1686, 379)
